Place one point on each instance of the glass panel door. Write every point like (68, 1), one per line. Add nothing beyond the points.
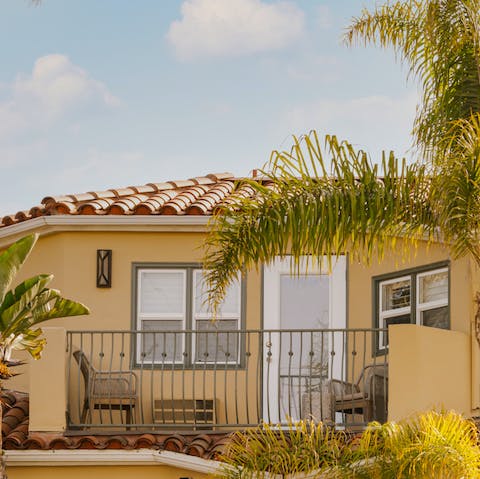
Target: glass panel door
(298, 312)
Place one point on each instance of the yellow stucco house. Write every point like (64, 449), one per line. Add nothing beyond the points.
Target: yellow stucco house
(147, 380)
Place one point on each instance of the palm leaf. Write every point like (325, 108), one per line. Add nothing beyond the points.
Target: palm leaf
(439, 41)
(12, 259)
(319, 202)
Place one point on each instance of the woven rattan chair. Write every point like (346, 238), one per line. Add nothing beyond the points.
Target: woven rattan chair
(368, 396)
(109, 390)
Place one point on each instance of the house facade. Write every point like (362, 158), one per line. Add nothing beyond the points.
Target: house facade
(149, 368)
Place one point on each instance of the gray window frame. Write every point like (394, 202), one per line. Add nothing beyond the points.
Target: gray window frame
(412, 273)
(188, 363)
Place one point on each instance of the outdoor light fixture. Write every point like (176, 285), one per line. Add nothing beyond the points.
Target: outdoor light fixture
(104, 268)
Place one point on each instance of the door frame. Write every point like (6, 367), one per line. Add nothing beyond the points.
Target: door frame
(271, 317)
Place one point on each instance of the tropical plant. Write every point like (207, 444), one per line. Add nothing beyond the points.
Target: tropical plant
(327, 200)
(21, 309)
(31, 302)
(300, 208)
(439, 40)
(302, 447)
(441, 445)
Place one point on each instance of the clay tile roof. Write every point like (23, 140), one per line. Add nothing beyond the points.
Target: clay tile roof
(144, 189)
(154, 204)
(16, 436)
(36, 211)
(95, 207)
(9, 220)
(161, 186)
(127, 205)
(220, 176)
(201, 195)
(202, 180)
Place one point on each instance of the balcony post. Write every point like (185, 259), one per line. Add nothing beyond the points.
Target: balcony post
(48, 393)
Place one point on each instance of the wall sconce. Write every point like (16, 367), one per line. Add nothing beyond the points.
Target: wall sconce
(104, 268)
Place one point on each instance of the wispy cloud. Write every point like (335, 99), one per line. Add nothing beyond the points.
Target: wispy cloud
(373, 123)
(56, 87)
(324, 17)
(216, 28)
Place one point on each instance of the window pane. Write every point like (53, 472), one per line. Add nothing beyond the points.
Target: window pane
(231, 304)
(433, 287)
(162, 292)
(395, 295)
(311, 294)
(436, 318)
(403, 319)
(216, 346)
(162, 347)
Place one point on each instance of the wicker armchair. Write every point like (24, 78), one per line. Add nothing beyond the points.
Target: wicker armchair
(109, 390)
(368, 396)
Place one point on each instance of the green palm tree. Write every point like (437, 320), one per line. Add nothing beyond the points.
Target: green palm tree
(324, 200)
(439, 40)
(302, 206)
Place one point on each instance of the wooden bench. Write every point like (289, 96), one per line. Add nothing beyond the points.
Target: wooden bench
(196, 412)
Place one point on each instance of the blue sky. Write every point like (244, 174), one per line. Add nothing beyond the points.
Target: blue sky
(99, 94)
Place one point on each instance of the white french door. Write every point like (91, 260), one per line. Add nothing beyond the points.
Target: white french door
(297, 361)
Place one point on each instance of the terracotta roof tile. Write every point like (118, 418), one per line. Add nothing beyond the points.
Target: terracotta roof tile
(36, 211)
(202, 180)
(99, 206)
(144, 189)
(181, 183)
(23, 215)
(127, 205)
(16, 436)
(62, 208)
(155, 203)
(201, 195)
(103, 194)
(83, 197)
(212, 198)
(9, 220)
(221, 176)
(161, 186)
(183, 200)
(123, 192)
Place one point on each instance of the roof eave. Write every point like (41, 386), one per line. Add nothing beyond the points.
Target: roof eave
(44, 225)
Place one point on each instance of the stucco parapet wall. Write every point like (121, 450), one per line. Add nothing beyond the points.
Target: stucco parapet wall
(138, 457)
(51, 224)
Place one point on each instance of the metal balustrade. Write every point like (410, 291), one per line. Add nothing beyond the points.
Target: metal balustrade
(224, 379)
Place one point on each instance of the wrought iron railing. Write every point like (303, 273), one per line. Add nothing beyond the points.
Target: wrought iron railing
(224, 379)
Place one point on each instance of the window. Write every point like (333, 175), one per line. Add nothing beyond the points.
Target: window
(418, 296)
(170, 302)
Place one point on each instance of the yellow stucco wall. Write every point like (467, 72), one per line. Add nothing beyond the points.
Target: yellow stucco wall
(71, 257)
(104, 472)
(430, 368)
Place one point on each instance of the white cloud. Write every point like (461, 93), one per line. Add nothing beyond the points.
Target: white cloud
(56, 87)
(372, 123)
(92, 169)
(213, 28)
(324, 17)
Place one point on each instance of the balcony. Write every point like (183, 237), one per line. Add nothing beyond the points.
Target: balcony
(221, 380)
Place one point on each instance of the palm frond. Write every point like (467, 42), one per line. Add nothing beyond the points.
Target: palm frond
(318, 202)
(439, 41)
